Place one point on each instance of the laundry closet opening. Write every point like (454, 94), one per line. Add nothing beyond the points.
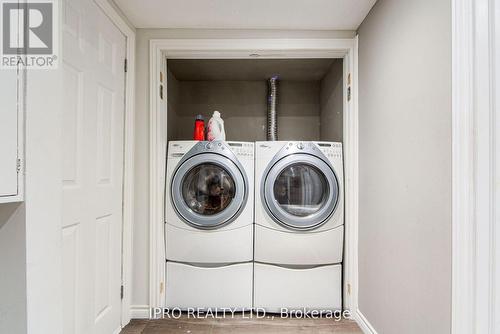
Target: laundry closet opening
(256, 216)
(310, 99)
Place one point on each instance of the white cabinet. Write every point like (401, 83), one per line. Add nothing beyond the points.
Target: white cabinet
(10, 137)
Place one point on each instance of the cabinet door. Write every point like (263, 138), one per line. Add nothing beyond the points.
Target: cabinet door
(8, 134)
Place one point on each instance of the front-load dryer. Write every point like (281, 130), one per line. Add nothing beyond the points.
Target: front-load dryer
(209, 224)
(299, 225)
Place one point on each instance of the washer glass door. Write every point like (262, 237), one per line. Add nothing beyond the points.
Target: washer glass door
(301, 191)
(208, 191)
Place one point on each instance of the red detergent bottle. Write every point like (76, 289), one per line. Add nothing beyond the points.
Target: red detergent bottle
(199, 128)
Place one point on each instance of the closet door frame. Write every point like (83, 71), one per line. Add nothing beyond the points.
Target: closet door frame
(475, 150)
(261, 48)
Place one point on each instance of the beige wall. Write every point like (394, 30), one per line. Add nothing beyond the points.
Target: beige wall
(140, 288)
(243, 107)
(332, 103)
(13, 317)
(405, 166)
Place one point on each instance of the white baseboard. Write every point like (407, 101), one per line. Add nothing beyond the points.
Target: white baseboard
(139, 312)
(363, 323)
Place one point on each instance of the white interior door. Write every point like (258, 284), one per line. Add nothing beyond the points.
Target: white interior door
(8, 132)
(93, 131)
(9, 126)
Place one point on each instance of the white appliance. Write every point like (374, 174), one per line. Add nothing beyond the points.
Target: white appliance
(209, 224)
(299, 225)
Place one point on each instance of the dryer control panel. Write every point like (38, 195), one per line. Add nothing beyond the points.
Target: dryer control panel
(331, 150)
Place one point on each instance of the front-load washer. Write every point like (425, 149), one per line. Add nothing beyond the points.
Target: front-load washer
(209, 224)
(299, 225)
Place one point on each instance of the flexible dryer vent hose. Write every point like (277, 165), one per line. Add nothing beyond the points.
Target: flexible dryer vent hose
(272, 117)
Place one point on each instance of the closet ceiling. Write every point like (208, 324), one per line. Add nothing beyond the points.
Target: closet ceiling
(247, 14)
(249, 69)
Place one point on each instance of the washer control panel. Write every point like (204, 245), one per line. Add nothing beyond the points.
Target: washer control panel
(242, 149)
(179, 148)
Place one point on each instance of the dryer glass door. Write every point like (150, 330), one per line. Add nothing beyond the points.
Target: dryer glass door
(301, 191)
(208, 191)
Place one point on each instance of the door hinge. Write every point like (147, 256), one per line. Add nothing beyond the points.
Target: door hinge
(121, 292)
(125, 65)
(18, 165)
(349, 87)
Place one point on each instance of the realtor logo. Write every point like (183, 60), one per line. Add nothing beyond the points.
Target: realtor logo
(28, 34)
